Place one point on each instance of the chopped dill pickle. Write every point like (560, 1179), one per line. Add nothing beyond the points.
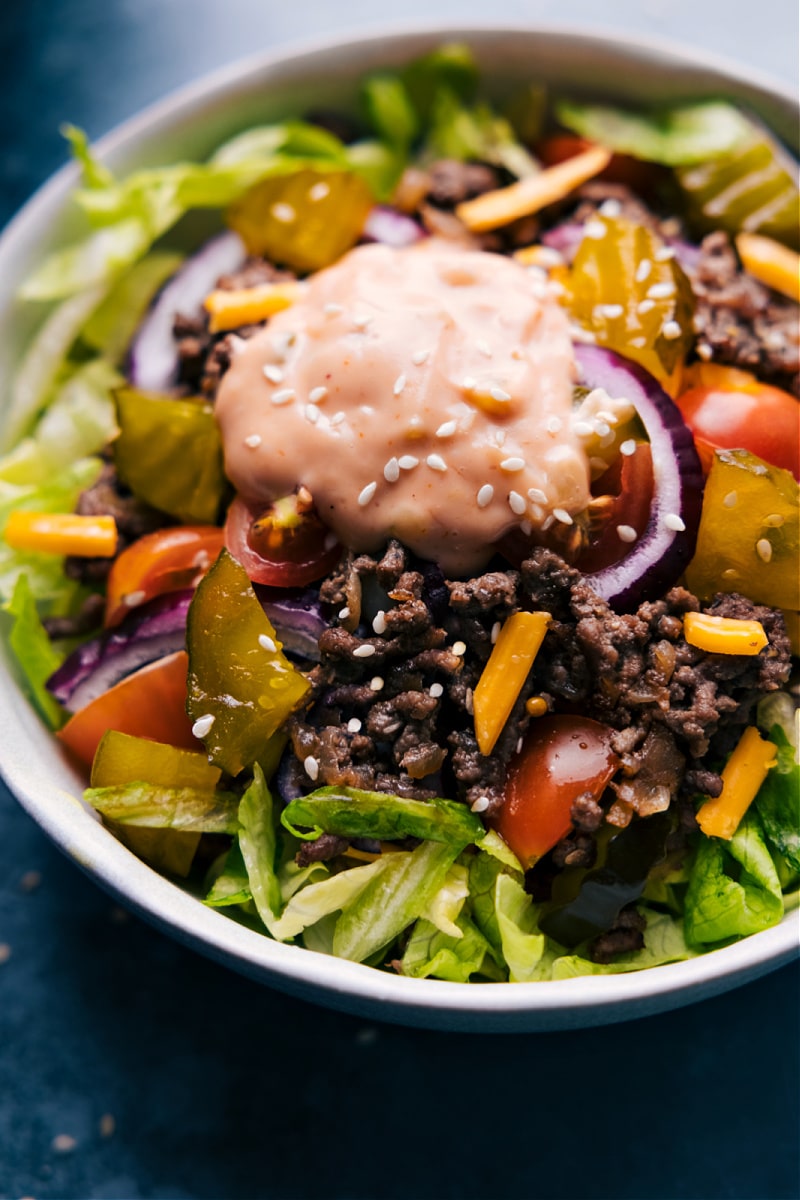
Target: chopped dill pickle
(628, 289)
(752, 190)
(749, 536)
(241, 685)
(305, 220)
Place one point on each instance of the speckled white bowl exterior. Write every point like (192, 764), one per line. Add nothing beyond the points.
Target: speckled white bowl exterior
(190, 123)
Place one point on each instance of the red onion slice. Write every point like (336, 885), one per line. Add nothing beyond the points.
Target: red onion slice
(391, 228)
(153, 353)
(659, 557)
(298, 620)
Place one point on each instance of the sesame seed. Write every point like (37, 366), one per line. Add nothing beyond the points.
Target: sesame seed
(311, 413)
(661, 291)
(337, 418)
(399, 384)
(419, 357)
(583, 429)
(376, 683)
(537, 496)
(610, 311)
(446, 430)
(203, 725)
(273, 373)
(674, 522)
(704, 351)
(526, 528)
(602, 429)
(626, 533)
(134, 599)
(610, 208)
(563, 516)
(671, 330)
(333, 310)
(645, 306)
(581, 336)
(283, 212)
(436, 462)
(365, 650)
(344, 613)
(366, 494)
(284, 396)
(319, 191)
(628, 447)
(495, 634)
(773, 521)
(362, 321)
(318, 394)
(764, 549)
(379, 622)
(480, 805)
(353, 725)
(516, 503)
(639, 342)
(485, 495)
(594, 229)
(731, 500)
(436, 690)
(330, 540)
(643, 270)
(512, 464)
(468, 701)
(391, 472)
(664, 254)
(407, 462)
(266, 643)
(483, 348)
(500, 437)
(459, 648)
(554, 425)
(252, 440)
(499, 394)
(311, 767)
(468, 383)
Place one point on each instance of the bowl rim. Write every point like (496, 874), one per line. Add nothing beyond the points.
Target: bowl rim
(575, 1002)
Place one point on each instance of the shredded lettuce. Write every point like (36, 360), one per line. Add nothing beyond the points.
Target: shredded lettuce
(232, 883)
(33, 650)
(198, 810)
(674, 136)
(352, 812)
(258, 845)
(112, 325)
(432, 953)
(664, 943)
(778, 800)
(443, 910)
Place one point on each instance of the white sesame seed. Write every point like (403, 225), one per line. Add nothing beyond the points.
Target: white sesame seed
(333, 310)
(311, 767)
(517, 503)
(468, 701)
(537, 496)
(319, 191)
(730, 500)
(362, 321)
(273, 373)
(664, 254)
(671, 330)
(499, 394)
(610, 311)
(203, 725)
(376, 683)
(344, 613)
(610, 208)
(548, 523)
(704, 351)
(774, 521)
(391, 472)
(318, 394)
(353, 725)
(581, 336)
(628, 447)
(252, 440)
(661, 291)
(468, 383)
(645, 306)
(284, 396)
(643, 270)
(674, 522)
(365, 650)
(626, 533)
(330, 540)
(311, 413)
(419, 357)
(563, 516)
(639, 342)
(495, 634)
(602, 429)
(407, 462)
(436, 690)
(283, 212)
(459, 648)
(485, 495)
(134, 599)
(447, 429)
(436, 462)
(266, 643)
(337, 418)
(399, 384)
(366, 494)
(379, 622)
(583, 429)
(764, 549)
(500, 437)
(554, 425)
(483, 348)
(526, 528)
(594, 229)
(512, 464)
(480, 805)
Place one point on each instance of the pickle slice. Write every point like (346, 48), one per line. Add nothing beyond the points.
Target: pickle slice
(627, 288)
(305, 220)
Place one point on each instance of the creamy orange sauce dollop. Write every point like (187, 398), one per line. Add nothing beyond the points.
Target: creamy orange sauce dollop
(423, 393)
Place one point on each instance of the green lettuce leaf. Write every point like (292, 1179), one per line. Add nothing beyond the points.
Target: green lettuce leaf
(778, 800)
(389, 110)
(311, 903)
(351, 812)
(432, 953)
(664, 943)
(674, 136)
(444, 908)
(451, 65)
(258, 845)
(144, 804)
(295, 138)
(521, 943)
(112, 325)
(475, 134)
(733, 889)
(232, 884)
(33, 650)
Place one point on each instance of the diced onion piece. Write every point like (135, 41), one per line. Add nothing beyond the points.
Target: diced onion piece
(743, 775)
(771, 263)
(62, 533)
(529, 195)
(248, 306)
(504, 674)
(723, 635)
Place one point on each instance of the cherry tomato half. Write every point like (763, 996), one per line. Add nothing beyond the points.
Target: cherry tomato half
(165, 561)
(562, 758)
(285, 545)
(734, 411)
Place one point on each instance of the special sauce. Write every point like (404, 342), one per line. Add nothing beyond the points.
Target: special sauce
(423, 393)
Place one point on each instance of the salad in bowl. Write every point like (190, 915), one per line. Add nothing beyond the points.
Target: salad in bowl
(409, 560)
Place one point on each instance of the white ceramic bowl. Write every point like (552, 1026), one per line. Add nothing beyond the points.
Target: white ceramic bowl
(191, 123)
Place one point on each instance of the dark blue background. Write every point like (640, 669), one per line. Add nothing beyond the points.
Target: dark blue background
(220, 1088)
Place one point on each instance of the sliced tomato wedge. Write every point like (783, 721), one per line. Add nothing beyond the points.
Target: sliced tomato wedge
(168, 560)
(627, 487)
(562, 758)
(150, 703)
(284, 545)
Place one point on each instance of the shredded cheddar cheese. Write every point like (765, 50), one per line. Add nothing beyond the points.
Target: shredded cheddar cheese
(743, 775)
(504, 674)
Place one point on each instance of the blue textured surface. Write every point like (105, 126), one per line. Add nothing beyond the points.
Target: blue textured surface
(220, 1088)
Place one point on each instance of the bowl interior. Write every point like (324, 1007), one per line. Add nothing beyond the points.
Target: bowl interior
(190, 124)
